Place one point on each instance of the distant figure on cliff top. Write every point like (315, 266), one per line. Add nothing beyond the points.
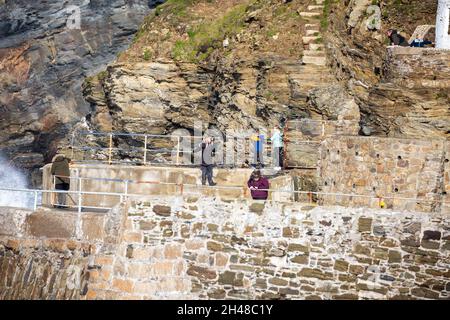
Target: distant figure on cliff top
(61, 174)
(396, 39)
(420, 43)
(258, 186)
(208, 148)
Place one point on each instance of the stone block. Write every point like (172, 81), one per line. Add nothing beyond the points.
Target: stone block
(431, 235)
(315, 273)
(202, 273)
(291, 232)
(257, 207)
(173, 251)
(341, 265)
(300, 259)
(424, 293)
(164, 211)
(365, 224)
(298, 247)
(51, 225)
(278, 282)
(231, 278)
(123, 285)
(394, 256)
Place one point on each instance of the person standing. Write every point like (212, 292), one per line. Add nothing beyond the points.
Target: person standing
(60, 171)
(258, 185)
(277, 148)
(258, 139)
(207, 148)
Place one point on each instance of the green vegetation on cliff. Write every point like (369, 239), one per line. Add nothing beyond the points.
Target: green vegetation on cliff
(207, 36)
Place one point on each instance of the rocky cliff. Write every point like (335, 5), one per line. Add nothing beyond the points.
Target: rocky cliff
(400, 93)
(231, 64)
(46, 51)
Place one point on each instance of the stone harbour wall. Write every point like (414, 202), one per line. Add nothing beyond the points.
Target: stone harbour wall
(205, 249)
(388, 168)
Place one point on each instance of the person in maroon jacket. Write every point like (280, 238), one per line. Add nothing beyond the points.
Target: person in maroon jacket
(258, 186)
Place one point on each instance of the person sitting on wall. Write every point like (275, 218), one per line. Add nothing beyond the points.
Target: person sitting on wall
(61, 174)
(258, 186)
(396, 39)
(208, 148)
(420, 43)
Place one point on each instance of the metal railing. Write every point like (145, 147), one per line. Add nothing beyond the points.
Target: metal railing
(176, 151)
(310, 197)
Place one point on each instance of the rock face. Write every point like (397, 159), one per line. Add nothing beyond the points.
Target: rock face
(179, 71)
(46, 51)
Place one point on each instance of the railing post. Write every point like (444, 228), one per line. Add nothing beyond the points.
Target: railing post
(178, 150)
(145, 149)
(80, 196)
(110, 149)
(53, 194)
(35, 200)
(126, 188)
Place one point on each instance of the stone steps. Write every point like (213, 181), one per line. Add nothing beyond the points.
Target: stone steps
(314, 53)
(312, 26)
(310, 14)
(316, 8)
(308, 40)
(320, 61)
(316, 46)
(314, 33)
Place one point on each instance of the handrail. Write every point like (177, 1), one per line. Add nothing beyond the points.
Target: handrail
(128, 181)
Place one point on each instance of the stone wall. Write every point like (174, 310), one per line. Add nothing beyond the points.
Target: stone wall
(42, 256)
(153, 180)
(204, 249)
(418, 67)
(384, 167)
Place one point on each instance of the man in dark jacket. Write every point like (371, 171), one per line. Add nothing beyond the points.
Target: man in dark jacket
(258, 185)
(396, 39)
(208, 148)
(61, 172)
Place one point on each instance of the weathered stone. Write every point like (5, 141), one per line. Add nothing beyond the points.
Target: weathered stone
(202, 273)
(345, 296)
(315, 273)
(431, 235)
(214, 246)
(424, 293)
(146, 225)
(231, 278)
(395, 256)
(278, 281)
(217, 294)
(257, 207)
(297, 247)
(356, 269)
(429, 244)
(160, 210)
(300, 259)
(291, 232)
(341, 265)
(365, 224)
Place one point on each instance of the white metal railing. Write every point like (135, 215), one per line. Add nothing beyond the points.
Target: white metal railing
(177, 151)
(244, 191)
